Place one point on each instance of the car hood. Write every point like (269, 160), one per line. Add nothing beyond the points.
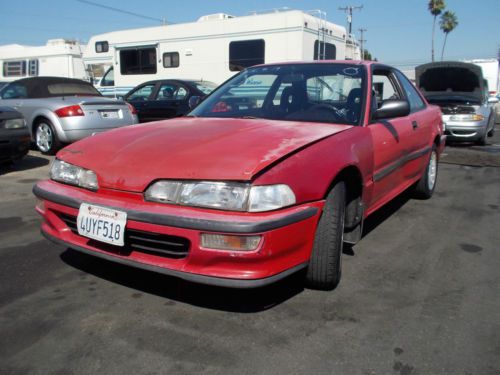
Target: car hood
(131, 158)
(448, 78)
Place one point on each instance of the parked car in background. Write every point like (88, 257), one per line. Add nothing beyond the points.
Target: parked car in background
(63, 110)
(269, 175)
(163, 99)
(15, 137)
(462, 93)
(497, 110)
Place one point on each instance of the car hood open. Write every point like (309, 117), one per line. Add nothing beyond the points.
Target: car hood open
(451, 78)
(220, 149)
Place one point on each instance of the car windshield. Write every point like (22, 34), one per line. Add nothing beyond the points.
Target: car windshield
(205, 86)
(329, 93)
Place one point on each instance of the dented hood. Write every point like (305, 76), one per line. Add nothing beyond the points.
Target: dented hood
(131, 158)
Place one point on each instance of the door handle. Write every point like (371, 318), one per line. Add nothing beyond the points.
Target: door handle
(414, 125)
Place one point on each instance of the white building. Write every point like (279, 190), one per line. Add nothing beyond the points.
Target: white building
(59, 57)
(214, 48)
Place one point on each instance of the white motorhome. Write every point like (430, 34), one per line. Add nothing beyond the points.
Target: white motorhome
(491, 72)
(58, 58)
(215, 47)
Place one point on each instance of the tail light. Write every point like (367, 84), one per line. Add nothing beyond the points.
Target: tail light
(70, 111)
(132, 109)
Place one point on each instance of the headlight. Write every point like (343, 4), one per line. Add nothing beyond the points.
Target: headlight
(73, 175)
(15, 123)
(222, 195)
(473, 117)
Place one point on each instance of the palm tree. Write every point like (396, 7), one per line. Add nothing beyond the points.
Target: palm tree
(435, 7)
(447, 23)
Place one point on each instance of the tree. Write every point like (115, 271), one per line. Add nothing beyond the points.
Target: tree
(447, 23)
(367, 55)
(435, 7)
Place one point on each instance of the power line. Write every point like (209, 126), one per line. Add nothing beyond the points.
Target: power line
(121, 11)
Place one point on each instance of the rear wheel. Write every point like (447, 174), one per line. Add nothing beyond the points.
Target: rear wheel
(325, 265)
(424, 188)
(46, 137)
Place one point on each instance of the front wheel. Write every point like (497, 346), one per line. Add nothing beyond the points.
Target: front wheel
(46, 138)
(325, 265)
(424, 188)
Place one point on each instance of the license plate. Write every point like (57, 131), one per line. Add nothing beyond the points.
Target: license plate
(102, 224)
(109, 114)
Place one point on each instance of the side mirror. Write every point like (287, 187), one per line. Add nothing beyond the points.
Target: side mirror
(493, 100)
(194, 101)
(391, 108)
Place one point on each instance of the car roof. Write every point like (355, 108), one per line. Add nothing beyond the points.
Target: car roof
(36, 87)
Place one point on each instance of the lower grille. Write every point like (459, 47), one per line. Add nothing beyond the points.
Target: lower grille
(136, 240)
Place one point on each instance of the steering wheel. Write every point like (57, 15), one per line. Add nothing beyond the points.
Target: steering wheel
(326, 108)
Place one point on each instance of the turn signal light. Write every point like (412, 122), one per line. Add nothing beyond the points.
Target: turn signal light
(132, 109)
(70, 111)
(225, 242)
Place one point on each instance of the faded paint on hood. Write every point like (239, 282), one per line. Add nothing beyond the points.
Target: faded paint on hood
(131, 158)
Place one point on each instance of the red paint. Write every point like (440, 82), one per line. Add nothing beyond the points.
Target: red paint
(306, 156)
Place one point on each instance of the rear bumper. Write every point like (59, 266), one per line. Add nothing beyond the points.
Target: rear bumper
(286, 237)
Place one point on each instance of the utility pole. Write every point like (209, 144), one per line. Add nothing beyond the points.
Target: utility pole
(362, 43)
(349, 9)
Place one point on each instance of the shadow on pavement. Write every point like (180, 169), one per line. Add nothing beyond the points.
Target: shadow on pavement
(26, 163)
(225, 299)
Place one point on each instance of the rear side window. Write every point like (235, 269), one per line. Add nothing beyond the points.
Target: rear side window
(14, 68)
(171, 59)
(14, 91)
(246, 53)
(416, 102)
(142, 93)
(138, 61)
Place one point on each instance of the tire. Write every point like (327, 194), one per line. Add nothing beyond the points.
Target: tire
(482, 140)
(46, 138)
(491, 133)
(424, 188)
(325, 265)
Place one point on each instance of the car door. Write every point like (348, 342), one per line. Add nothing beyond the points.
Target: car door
(389, 137)
(140, 98)
(418, 147)
(170, 98)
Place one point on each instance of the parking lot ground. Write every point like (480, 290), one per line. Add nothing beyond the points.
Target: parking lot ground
(420, 294)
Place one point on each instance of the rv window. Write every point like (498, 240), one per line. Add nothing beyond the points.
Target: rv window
(101, 47)
(33, 68)
(14, 68)
(246, 53)
(171, 59)
(138, 61)
(324, 51)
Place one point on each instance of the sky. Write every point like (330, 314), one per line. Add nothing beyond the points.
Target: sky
(398, 31)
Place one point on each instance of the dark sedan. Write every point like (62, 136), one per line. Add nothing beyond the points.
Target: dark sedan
(163, 99)
(15, 136)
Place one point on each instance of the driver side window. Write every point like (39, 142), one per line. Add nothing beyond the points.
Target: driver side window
(142, 93)
(384, 87)
(15, 91)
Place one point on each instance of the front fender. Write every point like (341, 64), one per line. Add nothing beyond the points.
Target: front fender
(310, 171)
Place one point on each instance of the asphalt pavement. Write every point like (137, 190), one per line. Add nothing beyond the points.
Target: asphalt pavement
(420, 294)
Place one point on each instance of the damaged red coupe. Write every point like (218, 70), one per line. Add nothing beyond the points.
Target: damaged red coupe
(270, 174)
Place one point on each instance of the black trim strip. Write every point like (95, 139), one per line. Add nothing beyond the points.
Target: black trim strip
(399, 163)
(186, 222)
(192, 277)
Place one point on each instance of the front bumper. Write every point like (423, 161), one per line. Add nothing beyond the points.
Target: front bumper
(465, 130)
(14, 144)
(285, 247)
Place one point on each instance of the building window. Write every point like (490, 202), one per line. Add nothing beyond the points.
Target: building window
(101, 47)
(33, 68)
(138, 61)
(14, 68)
(324, 51)
(246, 53)
(171, 59)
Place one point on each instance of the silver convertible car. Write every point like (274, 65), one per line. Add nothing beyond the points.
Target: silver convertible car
(63, 110)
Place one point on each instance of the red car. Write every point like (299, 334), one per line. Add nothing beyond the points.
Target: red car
(270, 174)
